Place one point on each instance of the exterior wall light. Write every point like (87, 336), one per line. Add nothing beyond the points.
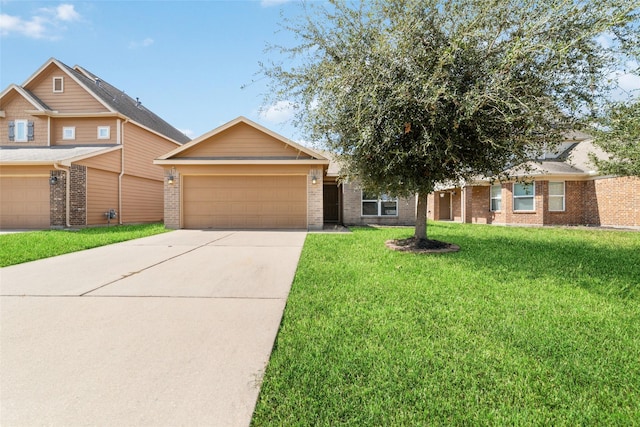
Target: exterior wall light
(441, 194)
(314, 180)
(170, 179)
(53, 180)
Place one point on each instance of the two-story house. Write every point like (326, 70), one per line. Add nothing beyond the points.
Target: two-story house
(74, 148)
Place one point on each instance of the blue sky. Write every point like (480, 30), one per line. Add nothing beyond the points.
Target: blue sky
(187, 61)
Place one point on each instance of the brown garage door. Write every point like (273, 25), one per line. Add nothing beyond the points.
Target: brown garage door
(24, 202)
(240, 202)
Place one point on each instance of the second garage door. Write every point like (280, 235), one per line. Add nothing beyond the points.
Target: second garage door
(24, 202)
(245, 202)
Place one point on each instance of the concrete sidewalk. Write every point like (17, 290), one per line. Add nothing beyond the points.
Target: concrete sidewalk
(173, 329)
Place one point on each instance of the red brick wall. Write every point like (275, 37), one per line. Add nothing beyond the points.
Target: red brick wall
(573, 204)
(613, 202)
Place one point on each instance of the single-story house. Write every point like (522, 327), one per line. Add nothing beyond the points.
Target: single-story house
(243, 175)
(76, 151)
(561, 188)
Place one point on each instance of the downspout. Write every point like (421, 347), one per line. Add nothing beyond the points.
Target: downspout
(120, 140)
(67, 194)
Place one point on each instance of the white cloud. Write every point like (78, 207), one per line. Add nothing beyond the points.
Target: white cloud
(190, 133)
(279, 112)
(45, 24)
(138, 44)
(269, 3)
(67, 12)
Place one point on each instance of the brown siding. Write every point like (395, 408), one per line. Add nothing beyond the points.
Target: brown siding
(102, 195)
(74, 98)
(86, 131)
(141, 147)
(110, 161)
(244, 169)
(14, 107)
(242, 140)
(141, 200)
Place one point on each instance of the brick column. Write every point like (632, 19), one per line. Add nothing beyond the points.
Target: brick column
(315, 206)
(172, 200)
(78, 195)
(58, 199)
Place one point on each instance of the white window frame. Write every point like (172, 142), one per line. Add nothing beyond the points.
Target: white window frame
(61, 80)
(496, 197)
(24, 125)
(108, 132)
(531, 196)
(71, 135)
(558, 196)
(379, 203)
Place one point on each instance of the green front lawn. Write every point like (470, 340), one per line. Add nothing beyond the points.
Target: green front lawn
(22, 247)
(523, 326)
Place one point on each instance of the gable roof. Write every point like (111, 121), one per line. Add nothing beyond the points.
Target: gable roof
(28, 95)
(313, 156)
(115, 100)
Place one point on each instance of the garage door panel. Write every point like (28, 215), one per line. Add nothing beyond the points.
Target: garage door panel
(245, 202)
(24, 202)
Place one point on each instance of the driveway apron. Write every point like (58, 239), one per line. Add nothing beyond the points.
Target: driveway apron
(173, 329)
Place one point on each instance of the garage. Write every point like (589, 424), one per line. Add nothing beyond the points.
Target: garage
(245, 202)
(24, 202)
(242, 175)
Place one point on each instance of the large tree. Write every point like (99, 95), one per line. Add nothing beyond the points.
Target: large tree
(414, 93)
(619, 135)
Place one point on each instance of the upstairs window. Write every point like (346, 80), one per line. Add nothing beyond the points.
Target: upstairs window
(104, 132)
(20, 131)
(524, 196)
(496, 197)
(58, 84)
(556, 196)
(384, 205)
(69, 132)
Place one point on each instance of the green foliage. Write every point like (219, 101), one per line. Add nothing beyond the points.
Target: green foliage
(412, 93)
(621, 139)
(523, 326)
(16, 248)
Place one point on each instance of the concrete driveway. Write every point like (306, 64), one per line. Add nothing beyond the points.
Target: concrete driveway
(173, 329)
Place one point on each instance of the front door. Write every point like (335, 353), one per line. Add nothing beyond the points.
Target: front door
(445, 206)
(331, 205)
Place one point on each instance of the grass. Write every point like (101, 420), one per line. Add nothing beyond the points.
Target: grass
(523, 326)
(17, 248)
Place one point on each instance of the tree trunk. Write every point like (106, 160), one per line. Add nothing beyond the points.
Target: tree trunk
(421, 218)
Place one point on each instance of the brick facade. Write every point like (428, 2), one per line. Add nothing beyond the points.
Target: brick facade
(172, 201)
(315, 217)
(352, 209)
(78, 196)
(57, 199)
(598, 202)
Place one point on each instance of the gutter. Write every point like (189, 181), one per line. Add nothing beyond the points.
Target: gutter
(67, 195)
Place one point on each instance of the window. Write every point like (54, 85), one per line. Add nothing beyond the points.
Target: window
(496, 197)
(523, 196)
(20, 131)
(379, 206)
(556, 196)
(58, 84)
(104, 132)
(69, 132)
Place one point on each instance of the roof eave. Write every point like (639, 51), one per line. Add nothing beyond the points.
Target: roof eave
(172, 162)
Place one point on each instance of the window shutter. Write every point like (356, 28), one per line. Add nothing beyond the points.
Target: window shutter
(29, 131)
(12, 131)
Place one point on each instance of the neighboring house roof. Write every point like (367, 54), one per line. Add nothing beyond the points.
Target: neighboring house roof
(114, 99)
(50, 155)
(173, 157)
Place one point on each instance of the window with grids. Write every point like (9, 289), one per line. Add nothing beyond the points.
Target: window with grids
(496, 197)
(383, 205)
(524, 196)
(556, 196)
